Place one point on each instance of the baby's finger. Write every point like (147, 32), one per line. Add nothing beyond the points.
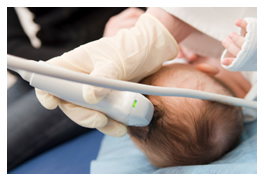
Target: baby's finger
(227, 61)
(242, 24)
(237, 39)
(231, 46)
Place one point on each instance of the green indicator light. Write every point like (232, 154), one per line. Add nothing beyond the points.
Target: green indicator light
(135, 102)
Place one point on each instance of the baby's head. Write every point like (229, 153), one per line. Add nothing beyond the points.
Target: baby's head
(187, 131)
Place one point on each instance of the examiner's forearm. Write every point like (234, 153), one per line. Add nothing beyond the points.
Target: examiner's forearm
(179, 29)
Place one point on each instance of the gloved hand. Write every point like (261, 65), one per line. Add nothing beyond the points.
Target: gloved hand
(130, 55)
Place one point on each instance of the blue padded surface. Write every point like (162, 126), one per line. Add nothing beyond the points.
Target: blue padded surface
(119, 155)
(72, 157)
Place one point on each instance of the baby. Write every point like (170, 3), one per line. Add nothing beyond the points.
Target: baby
(187, 131)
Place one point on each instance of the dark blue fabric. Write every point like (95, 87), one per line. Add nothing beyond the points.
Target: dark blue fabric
(72, 157)
(32, 129)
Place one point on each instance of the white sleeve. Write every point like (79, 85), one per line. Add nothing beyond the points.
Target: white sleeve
(212, 25)
(246, 62)
(246, 59)
(250, 114)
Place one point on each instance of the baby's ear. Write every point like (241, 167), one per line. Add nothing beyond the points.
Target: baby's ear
(207, 68)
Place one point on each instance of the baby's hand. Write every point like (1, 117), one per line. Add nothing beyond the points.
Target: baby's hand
(234, 44)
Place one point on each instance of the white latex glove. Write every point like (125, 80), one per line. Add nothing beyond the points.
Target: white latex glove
(130, 55)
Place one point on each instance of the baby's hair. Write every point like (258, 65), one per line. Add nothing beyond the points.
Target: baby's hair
(187, 131)
(190, 137)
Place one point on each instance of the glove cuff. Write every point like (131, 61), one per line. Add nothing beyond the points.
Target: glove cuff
(172, 48)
